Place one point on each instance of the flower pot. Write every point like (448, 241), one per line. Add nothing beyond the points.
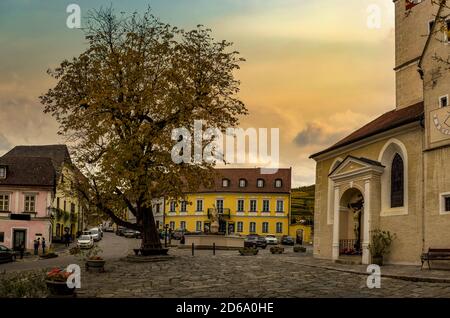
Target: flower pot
(299, 249)
(276, 250)
(377, 260)
(248, 251)
(95, 264)
(59, 288)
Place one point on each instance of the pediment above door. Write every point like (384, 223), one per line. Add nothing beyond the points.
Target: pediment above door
(353, 166)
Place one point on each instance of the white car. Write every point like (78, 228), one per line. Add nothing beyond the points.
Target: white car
(96, 234)
(271, 240)
(85, 241)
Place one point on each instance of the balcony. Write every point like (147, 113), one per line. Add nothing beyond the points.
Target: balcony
(223, 213)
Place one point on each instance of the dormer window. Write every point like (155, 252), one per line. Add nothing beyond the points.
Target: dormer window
(443, 101)
(225, 183)
(2, 172)
(242, 183)
(260, 183)
(278, 183)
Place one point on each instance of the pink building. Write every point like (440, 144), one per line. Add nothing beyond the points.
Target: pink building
(27, 189)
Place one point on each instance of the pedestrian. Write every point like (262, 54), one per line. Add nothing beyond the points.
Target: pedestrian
(67, 239)
(35, 245)
(22, 250)
(43, 245)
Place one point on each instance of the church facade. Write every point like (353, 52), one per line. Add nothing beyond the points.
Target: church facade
(393, 174)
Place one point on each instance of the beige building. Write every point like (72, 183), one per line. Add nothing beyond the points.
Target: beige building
(394, 173)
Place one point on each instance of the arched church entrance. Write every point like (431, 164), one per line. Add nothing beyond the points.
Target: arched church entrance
(351, 223)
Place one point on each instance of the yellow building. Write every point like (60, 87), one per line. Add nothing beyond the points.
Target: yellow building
(248, 202)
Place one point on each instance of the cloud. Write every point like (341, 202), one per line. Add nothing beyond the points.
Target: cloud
(315, 134)
(4, 144)
(327, 131)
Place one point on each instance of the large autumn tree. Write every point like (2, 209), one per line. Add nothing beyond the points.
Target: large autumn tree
(119, 100)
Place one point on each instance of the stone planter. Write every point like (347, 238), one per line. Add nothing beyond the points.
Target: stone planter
(299, 249)
(152, 251)
(95, 264)
(276, 250)
(49, 255)
(248, 251)
(59, 288)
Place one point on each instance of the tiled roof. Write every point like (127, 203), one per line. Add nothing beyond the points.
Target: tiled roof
(58, 154)
(385, 122)
(251, 175)
(28, 171)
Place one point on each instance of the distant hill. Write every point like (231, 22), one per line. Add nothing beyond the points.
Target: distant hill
(302, 204)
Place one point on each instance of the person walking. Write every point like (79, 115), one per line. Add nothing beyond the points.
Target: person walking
(67, 239)
(43, 245)
(35, 246)
(22, 250)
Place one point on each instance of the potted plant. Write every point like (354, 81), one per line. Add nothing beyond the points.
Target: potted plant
(380, 245)
(93, 260)
(248, 251)
(277, 250)
(56, 281)
(299, 249)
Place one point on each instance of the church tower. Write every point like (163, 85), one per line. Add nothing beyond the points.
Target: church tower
(412, 22)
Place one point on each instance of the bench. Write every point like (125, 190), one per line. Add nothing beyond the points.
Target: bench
(435, 254)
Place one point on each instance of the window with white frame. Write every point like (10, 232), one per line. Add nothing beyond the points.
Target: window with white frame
(4, 202)
(240, 205)
(172, 206)
(30, 203)
(2, 172)
(280, 206)
(252, 205)
(198, 226)
(240, 227)
(266, 204)
(172, 225)
(260, 183)
(265, 227)
(242, 183)
(199, 207)
(183, 207)
(183, 225)
(252, 227)
(443, 101)
(278, 183)
(445, 203)
(279, 227)
(225, 183)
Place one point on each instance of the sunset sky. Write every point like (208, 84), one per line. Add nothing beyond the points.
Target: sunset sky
(314, 69)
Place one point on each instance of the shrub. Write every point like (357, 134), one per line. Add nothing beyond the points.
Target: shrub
(23, 285)
(299, 249)
(381, 242)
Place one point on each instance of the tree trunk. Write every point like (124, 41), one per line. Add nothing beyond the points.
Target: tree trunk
(150, 235)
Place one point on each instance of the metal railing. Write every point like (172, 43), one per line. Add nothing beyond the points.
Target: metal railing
(350, 247)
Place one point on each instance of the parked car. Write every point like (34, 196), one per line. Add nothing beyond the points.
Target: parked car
(109, 227)
(120, 230)
(128, 233)
(271, 240)
(96, 234)
(85, 241)
(7, 254)
(254, 240)
(287, 240)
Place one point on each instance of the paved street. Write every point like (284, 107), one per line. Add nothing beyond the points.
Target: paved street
(226, 275)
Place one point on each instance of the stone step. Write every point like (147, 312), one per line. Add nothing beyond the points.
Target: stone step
(349, 260)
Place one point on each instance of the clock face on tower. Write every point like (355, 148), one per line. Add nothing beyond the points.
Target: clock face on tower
(440, 125)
